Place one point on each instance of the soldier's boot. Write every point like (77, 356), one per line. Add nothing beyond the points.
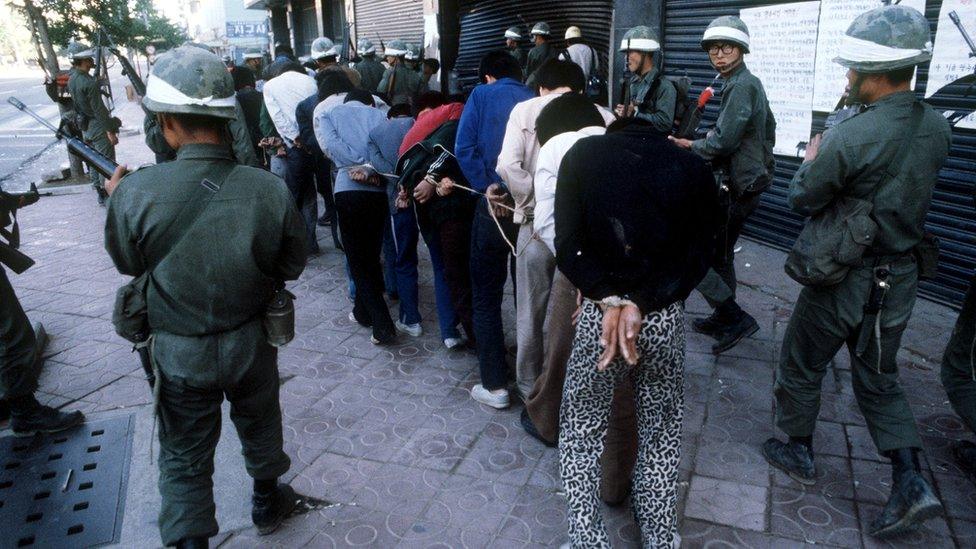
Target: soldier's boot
(965, 454)
(912, 500)
(270, 508)
(738, 326)
(4, 410)
(709, 325)
(795, 458)
(193, 543)
(102, 195)
(28, 417)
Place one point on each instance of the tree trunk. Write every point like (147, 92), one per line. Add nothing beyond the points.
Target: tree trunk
(50, 58)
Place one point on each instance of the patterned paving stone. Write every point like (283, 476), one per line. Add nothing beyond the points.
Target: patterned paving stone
(727, 503)
(934, 533)
(732, 461)
(465, 502)
(813, 518)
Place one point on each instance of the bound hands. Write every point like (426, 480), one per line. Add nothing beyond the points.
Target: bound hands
(497, 198)
(402, 200)
(683, 143)
(424, 190)
(620, 328)
(360, 175)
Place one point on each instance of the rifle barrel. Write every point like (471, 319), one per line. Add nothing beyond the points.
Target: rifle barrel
(23, 108)
(965, 35)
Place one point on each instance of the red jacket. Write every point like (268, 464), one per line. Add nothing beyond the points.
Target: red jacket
(428, 122)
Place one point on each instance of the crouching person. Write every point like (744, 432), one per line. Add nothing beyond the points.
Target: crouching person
(208, 241)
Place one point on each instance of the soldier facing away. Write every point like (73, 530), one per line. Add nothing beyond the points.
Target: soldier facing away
(400, 83)
(886, 158)
(652, 97)
(96, 123)
(369, 68)
(540, 53)
(206, 303)
(512, 38)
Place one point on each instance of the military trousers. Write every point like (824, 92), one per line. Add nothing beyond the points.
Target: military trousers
(196, 374)
(959, 362)
(98, 140)
(720, 283)
(823, 320)
(18, 376)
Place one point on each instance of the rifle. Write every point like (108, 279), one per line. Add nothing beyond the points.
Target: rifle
(96, 160)
(9, 204)
(101, 71)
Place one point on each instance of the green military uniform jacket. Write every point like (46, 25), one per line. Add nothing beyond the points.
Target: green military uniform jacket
(744, 134)
(249, 236)
(658, 110)
(241, 138)
(852, 160)
(407, 82)
(87, 98)
(518, 54)
(372, 72)
(537, 57)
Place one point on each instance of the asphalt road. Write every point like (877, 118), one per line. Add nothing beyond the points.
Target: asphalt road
(21, 137)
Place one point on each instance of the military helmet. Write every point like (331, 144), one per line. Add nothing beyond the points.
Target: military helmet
(727, 28)
(396, 48)
(640, 39)
(365, 47)
(188, 80)
(413, 52)
(80, 50)
(885, 39)
(573, 32)
(513, 33)
(541, 28)
(253, 53)
(323, 47)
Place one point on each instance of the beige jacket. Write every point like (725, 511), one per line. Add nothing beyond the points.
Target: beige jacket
(520, 152)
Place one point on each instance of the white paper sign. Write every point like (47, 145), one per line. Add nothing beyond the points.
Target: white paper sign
(835, 17)
(950, 57)
(783, 53)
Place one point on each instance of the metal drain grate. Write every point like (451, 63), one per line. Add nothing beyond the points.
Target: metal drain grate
(68, 489)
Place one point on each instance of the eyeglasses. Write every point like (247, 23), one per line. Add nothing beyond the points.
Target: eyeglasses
(724, 48)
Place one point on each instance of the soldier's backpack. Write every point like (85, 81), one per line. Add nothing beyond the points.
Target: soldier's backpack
(686, 116)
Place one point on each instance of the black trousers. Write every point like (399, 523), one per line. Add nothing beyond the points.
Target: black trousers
(719, 283)
(362, 218)
(17, 353)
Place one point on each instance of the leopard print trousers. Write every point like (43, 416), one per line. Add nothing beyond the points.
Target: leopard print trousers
(583, 419)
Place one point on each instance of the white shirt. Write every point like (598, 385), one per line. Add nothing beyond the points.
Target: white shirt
(584, 56)
(546, 170)
(282, 94)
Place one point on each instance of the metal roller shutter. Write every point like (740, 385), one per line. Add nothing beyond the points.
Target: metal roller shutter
(390, 19)
(951, 216)
(305, 18)
(483, 24)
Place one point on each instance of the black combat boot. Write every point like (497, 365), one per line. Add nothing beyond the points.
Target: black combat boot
(270, 508)
(965, 454)
(709, 325)
(4, 410)
(102, 195)
(795, 458)
(912, 500)
(740, 326)
(28, 417)
(193, 543)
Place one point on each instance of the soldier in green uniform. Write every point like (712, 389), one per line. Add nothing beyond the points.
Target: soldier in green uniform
(368, 67)
(206, 301)
(740, 146)
(240, 135)
(652, 97)
(412, 58)
(254, 59)
(540, 53)
(400, 84)
(888, 157)
(512, 37)
(99, 129)
(959, 378)
(21, 344)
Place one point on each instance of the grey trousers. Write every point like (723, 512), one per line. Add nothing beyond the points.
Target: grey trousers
(534, 271)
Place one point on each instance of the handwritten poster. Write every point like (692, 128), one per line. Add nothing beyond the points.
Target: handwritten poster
(783, 54)
(950, 58)
(835, 17)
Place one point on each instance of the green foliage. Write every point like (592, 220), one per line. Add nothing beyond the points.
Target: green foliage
(130, 23)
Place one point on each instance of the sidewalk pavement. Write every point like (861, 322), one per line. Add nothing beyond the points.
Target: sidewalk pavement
(391, 436)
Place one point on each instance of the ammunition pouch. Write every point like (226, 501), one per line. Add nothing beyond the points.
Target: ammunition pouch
(130, 316)
(927, 256)
(279, 318)
(832, 242)
(81, 121)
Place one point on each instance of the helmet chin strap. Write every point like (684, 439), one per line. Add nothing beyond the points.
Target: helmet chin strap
(854, 95)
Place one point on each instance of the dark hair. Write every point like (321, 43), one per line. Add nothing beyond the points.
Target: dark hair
(331, 82)
(457, 98)
(567, 113)
(556, 73)
(310, 64)
(362, 96)
(499, 64)
(243, 77)
(434, 64)
(621, 124)
(198, 122)
(571, 41)
(400, 109)
(428, 100)
(283, 49)
(900, 76)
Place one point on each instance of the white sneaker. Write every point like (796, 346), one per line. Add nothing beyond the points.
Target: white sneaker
(412, 330)
(496, 399)
(352, 318)
(455, 342)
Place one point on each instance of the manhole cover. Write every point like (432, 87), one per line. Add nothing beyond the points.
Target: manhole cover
(65, 490)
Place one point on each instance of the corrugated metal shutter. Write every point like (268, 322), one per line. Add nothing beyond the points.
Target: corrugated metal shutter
(951, 216)
(306, 25)
(483, 24)
(389, 19)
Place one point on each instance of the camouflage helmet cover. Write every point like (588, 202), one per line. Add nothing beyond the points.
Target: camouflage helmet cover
(188, 80)
(323, 47)
(727, 28)
(640, 39)
(413, 52)
(541, 28)
(886, 39)
(80, 50)
(396, 48)
(513, 33)
(253, 53)
(365, 47)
